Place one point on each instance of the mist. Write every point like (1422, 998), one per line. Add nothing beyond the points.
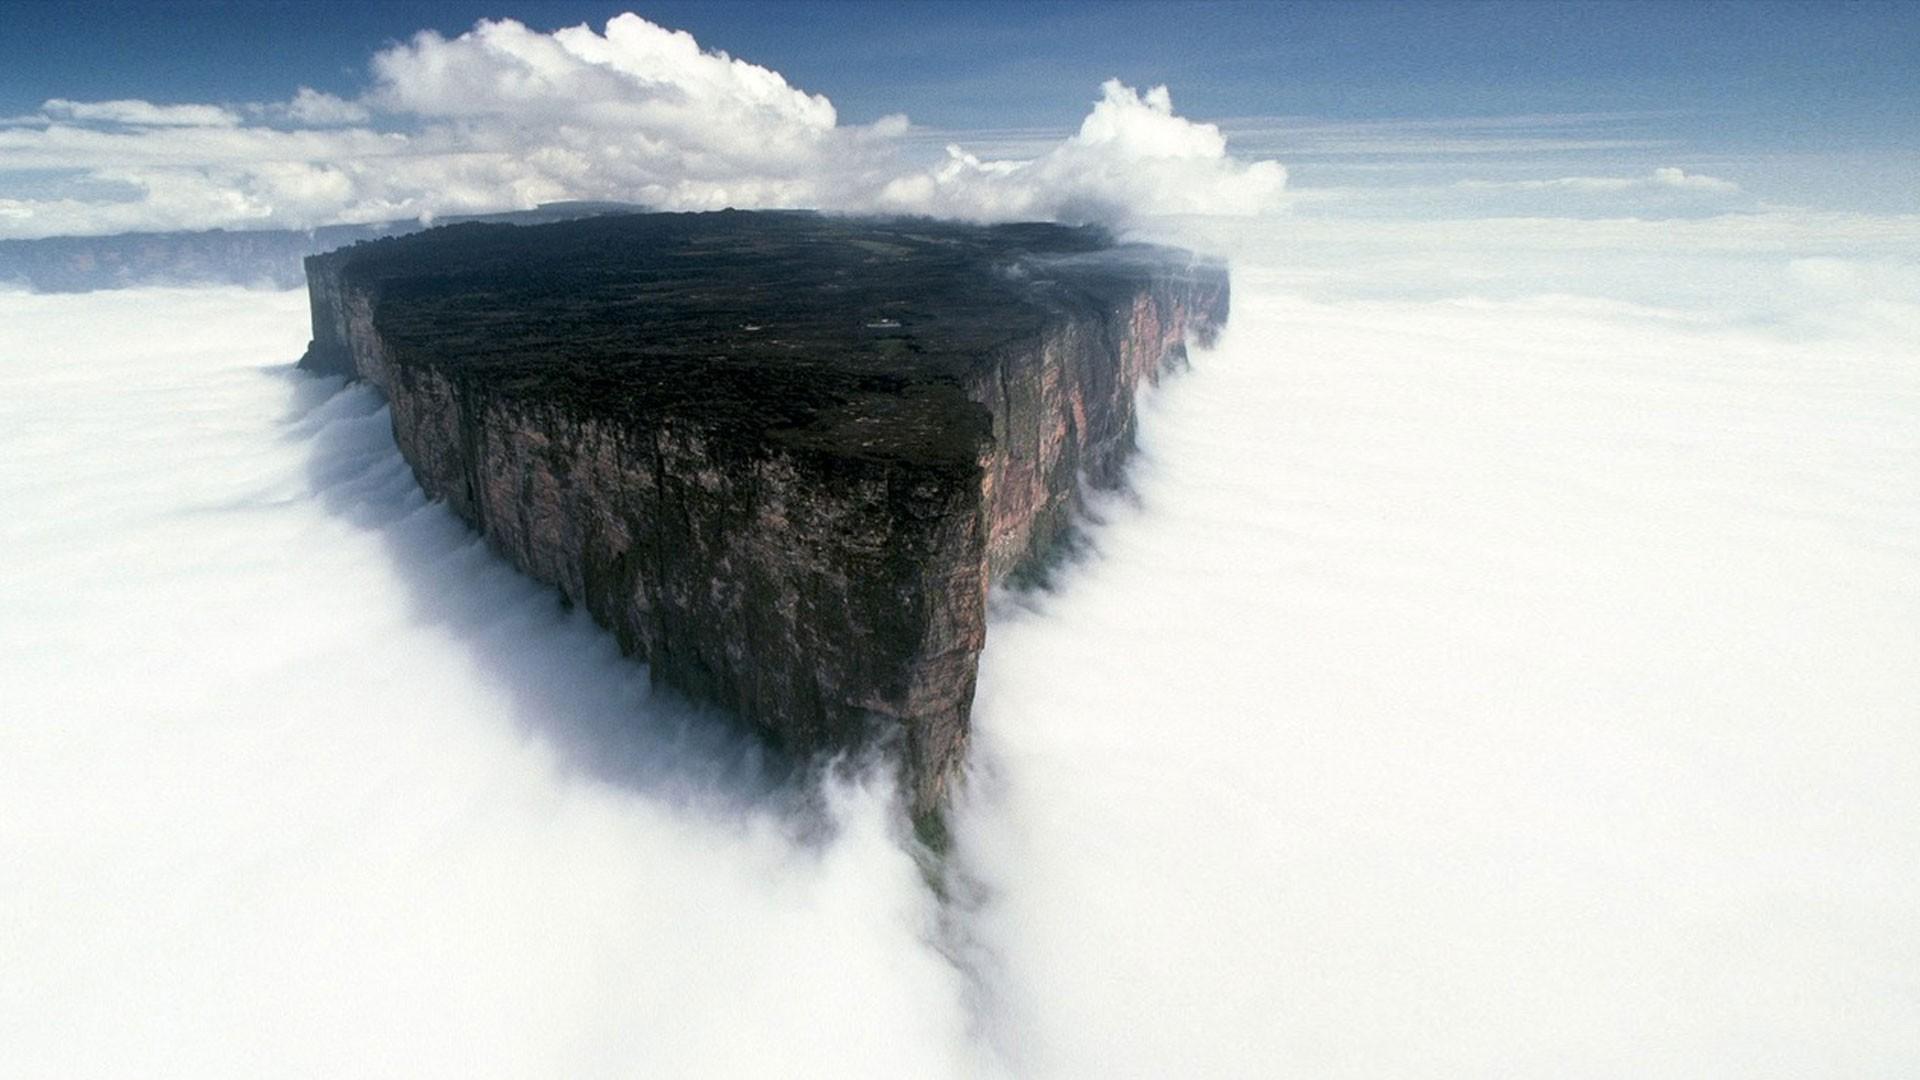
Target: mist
(1501, 660)
(1476, 687)
(300, 779)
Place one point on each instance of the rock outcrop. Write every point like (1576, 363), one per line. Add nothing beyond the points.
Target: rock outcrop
(781, 456)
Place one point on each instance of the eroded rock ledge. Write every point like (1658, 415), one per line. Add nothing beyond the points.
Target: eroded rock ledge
(781, 456)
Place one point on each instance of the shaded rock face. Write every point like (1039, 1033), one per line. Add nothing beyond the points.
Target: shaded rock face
(781, 456)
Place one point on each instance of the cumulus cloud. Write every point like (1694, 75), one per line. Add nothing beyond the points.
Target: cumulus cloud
(1132, 155)
(315, 108)
(505, 117)
(636, 72)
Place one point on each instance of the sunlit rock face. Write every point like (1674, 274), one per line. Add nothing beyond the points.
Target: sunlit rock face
(781, 456)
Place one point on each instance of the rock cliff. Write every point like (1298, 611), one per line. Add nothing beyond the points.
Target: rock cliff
(781, 456)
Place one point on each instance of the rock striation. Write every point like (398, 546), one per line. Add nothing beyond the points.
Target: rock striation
(782, 456)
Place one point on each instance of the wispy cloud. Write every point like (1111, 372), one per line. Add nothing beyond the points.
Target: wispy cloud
(1529, 133)
(1666, 177)
(133, 113)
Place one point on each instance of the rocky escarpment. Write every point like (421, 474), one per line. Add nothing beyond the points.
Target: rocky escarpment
(781, 456)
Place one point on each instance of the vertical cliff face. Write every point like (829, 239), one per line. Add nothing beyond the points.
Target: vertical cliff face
(1063, 405)
(781, 457)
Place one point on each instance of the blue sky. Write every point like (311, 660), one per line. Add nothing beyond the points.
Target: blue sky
(1791, 76)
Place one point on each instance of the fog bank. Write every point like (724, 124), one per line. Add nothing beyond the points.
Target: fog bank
(299, 779)
(1488, 671)
(1476, 687)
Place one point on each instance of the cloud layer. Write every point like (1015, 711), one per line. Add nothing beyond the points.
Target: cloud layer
(1505, 650)
(506, 117)
(298, 778)
(1470, 687)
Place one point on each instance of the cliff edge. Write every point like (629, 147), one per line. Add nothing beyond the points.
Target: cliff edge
(782, 456)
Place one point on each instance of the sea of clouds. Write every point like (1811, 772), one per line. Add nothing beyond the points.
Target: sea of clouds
(1502, 661)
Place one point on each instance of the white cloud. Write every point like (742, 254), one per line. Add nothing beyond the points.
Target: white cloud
(1680, 178)
(1457, 677)
(1463, 673)
(492, 851)
(1131, 156)
(504, 116)
(1375, 140)
(140, 113)
(317, 109)
(637, 71)
(1423, 190)
(1665, 177)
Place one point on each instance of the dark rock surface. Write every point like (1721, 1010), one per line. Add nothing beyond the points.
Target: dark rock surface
(782, 456)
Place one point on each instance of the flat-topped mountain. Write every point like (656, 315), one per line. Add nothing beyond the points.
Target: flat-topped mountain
(783, 456)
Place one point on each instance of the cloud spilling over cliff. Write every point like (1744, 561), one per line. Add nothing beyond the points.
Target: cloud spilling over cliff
(297, 777)
(1505, 650)
(1486, 668)
(506, 117)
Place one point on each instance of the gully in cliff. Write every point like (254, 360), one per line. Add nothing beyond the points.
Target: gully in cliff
(782, 456)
